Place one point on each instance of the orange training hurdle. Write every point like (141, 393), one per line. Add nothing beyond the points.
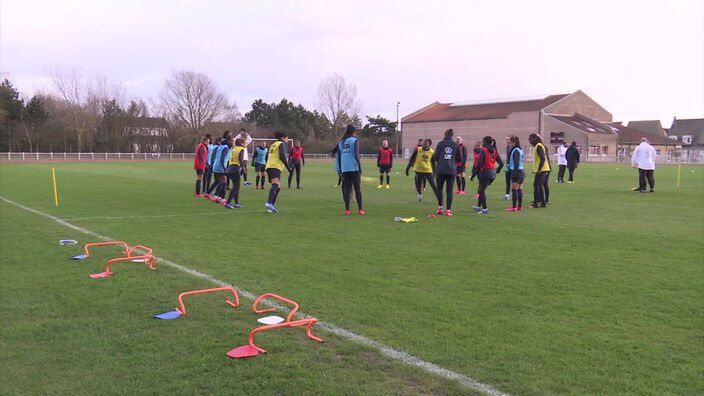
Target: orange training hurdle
(263, 296)
(149, 250)
(106, 243)
(183, 306)
(303, 322)
(148, 259)
(253, 350)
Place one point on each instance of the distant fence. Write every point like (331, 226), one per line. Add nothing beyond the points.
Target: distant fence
(16, 156)
(20, 156)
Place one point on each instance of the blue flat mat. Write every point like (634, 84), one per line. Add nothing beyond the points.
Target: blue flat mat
(168, 315)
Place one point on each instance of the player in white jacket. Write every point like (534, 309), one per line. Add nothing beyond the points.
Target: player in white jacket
(644, 160)
(561, 162)
(246, 137)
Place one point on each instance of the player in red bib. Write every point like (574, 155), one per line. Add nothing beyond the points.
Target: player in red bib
(199, 163)
(461, 167)
(486, 170)
(475, 164)
(384, 161)
(295, 159)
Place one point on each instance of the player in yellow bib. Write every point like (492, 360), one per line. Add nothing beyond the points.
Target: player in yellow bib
(422, 162)
(275, 163)
(233, 172)
(541, 169)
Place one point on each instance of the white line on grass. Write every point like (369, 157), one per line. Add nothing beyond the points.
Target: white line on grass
(386, 350)
(258, 210)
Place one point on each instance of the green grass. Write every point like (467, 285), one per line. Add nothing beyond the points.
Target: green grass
(601, 293)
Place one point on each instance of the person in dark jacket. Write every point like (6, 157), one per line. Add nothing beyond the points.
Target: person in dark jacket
(486, 170)
(461, 167)
(514, 163)
(350, 166)
(446, 157)
(572, 156)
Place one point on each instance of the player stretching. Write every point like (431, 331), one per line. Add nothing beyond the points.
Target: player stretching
(384, 161)
(422, 162)
(275, 163)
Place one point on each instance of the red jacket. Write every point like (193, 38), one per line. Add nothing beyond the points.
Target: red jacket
(201, 155)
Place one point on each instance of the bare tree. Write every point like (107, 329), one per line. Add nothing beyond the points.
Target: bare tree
(71, 88)
(231, 113)
(192, 99)
(337, 100)
(100, 93)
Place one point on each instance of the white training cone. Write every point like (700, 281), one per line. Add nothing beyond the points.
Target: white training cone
(270, 320)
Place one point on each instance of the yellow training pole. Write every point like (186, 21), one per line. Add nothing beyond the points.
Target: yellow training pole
(679, 170)
(56, 194)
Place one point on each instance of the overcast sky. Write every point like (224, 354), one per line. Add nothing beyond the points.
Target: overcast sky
(638, 59)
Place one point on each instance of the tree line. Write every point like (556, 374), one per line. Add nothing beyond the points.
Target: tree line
(80, 115)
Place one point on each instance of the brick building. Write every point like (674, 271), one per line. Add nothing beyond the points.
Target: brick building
(555, 118)
(689, 134)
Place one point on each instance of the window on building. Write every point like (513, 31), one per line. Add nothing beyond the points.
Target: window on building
(604, 150)
(594, 150)
(687, 139)
(673, 137)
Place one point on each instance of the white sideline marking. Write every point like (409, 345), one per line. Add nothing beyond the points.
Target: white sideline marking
(258, 210)
(386, 350)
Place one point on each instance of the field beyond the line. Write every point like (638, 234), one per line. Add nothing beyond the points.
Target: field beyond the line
(600, 293)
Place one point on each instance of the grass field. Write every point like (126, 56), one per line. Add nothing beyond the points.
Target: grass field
(601, 293)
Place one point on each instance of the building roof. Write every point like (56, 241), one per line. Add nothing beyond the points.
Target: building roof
(625, 134)
(584, 124)
(629, 135)
(693, 127)
(481, 111)
(651, 126)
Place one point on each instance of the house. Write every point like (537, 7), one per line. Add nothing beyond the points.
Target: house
(604, 141)
(653, 127)
(689, 134)
(556, 119)
(595, 140)
(629, 138)
(519, 117)
(148, 134)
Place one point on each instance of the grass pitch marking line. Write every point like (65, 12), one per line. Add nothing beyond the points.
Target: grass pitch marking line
(384, 349)
(219, 212)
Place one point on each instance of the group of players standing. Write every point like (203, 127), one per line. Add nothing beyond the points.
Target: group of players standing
(425, 162)
(226, 159)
